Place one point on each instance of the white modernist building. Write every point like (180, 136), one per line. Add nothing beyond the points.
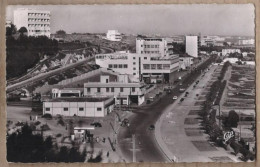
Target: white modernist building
(228, 51)
(162, 46)
(140, 66)
(80, 106)
(37, 22)
(113, 35)
(122, 90)
(246, 42)
(192, 43)
(185, 62)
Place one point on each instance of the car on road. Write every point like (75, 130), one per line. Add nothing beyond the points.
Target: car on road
(151, 127)
(181, 89)
(175, 98)
(96, 124)
(125, 122)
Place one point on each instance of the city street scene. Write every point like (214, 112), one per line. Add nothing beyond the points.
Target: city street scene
(130, 83)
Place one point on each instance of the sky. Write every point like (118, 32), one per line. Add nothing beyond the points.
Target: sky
(210, 19)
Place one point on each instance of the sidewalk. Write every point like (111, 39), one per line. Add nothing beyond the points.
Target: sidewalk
(180, 134)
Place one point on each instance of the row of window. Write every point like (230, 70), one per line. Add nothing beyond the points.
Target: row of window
(39, 30)
(156, 66)
(38, 25)
(110, 89)
(148, 52)
(150, 46)
(67, 109)
(39, 20)
(38, 14)
(117, 66)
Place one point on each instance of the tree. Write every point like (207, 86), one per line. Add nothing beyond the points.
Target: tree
(233, 118)
(60, 32)
(22, 30)
(11, 30)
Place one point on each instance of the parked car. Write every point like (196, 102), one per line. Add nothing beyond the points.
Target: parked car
(175, 98)
(125, 122)
(181, 89)
(96, 124)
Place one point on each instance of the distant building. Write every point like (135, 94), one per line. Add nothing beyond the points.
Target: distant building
(192, 45)
(162, 46)
(228, 51)
(246, 42)
(124, 91)
(141, 66)
(185, 62)
(37, 22)
(113, 35)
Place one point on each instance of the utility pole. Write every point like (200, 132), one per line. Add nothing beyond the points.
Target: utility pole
(134, 155)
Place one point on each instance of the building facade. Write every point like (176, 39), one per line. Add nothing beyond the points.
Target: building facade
(228, 51)
(246, 42)
(80, 106)
(185, 62)
(123, 91)
(192, 44)
(37, 22)
(140, 66)
(162, 46)
(113, 35)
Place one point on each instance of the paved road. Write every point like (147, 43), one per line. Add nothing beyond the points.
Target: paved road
(148, 149)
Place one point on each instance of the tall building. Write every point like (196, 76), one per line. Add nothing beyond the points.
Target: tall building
(114, 35)
(37, 22)
(162, 46)
(192, 45)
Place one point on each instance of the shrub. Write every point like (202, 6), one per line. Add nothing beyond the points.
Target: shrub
(37, 123)
(61, 122)
(58, 135)
(48, 116)
(45, 127)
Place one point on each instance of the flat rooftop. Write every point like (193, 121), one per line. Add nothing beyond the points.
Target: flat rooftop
(77, 99)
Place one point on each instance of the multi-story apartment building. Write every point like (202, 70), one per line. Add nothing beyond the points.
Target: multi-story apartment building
(113, 35)
(185, 62)
(37, 22)
(151, 67)
(123, 90)
(228, 51)
(162, 46)
(192, 44)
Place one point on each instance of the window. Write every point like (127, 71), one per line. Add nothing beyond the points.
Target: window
(153, 66)
(110, 66)
(120, 66)
(66, 109)
(81, 109)
(141, 51)
(88, 90)
(134, 63)
(115, 65)
(159, 66)
(121, 89)
(134, 73)
(112, 89)
(47, 109)
(107, 89)
(141, 45)
(98, 90)
(134, 58)
(134, 68)
(99, 109)
(145, 58)
(146, 66)
(133, 89)
(125, 65)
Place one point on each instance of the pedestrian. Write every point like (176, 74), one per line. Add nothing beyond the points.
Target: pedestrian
(108, 154)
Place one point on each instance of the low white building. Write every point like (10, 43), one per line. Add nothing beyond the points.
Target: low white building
(228, 51)
(122, 90)
(113, 35)
(80, 106)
